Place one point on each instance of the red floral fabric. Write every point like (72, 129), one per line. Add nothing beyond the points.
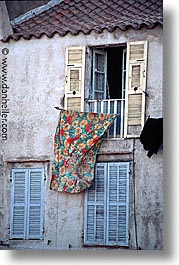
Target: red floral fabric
(77, 139)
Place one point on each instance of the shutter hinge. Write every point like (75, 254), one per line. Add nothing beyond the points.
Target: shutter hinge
(45, 177)
(10, 176)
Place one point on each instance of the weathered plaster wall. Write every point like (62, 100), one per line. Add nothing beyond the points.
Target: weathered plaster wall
(36, 84)
(149, 198)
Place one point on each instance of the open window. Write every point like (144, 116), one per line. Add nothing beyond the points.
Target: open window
(108, 85)
(109, 68)
(109, 80)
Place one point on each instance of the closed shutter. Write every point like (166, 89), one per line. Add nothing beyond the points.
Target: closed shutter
(18, 203)
(27, 203)
(107, 206)
(95, 208)
(99, 75)
(117, 204)
(74, 72)
(35, 204)
(135, 87)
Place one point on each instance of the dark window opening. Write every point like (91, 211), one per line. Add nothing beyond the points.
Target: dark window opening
(116, 72)
(109, 72)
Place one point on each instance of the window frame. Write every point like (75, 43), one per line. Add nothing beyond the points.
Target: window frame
(136, 53)
(96, 71)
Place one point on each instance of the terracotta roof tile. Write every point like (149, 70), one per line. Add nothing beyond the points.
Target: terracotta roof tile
(75, 16)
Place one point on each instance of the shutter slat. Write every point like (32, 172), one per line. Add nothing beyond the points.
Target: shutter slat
(136, 51)
(135, 76)
(74, 56)
(18, 222)
(74, 103)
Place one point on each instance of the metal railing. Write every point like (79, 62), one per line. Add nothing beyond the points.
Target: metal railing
(110, 106)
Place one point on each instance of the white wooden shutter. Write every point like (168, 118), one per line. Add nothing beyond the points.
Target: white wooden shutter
(35, 204)
(99, 75)
(75, 75)
(18, 203)
(27, 203)
(135, 88)
(95, 208)
(117, 204)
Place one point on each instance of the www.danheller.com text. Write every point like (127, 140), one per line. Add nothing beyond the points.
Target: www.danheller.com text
(4, 94)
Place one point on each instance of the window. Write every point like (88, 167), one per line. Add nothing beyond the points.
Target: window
(107, 206)
(27, 192)
(109, 80)
(108, 85)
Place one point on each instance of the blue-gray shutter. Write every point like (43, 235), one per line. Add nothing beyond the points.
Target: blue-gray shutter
(27, 193)
(18, 203)
(35, 204)
(107, 206)
(95, 209)
(117, 204)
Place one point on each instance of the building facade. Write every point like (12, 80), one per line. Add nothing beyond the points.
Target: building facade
(117, 70)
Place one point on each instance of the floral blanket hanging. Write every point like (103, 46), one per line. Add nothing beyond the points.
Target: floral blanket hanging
(77, 139)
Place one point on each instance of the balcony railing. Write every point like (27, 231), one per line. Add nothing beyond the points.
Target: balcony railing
(110, 106)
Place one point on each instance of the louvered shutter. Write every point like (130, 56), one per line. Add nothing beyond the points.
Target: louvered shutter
(95, 208)
(74, 72)
(35, 204)
(27, 203)
(135, 87)
(99, 74)
(117, 204)
(107, 206)
(18, 203)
